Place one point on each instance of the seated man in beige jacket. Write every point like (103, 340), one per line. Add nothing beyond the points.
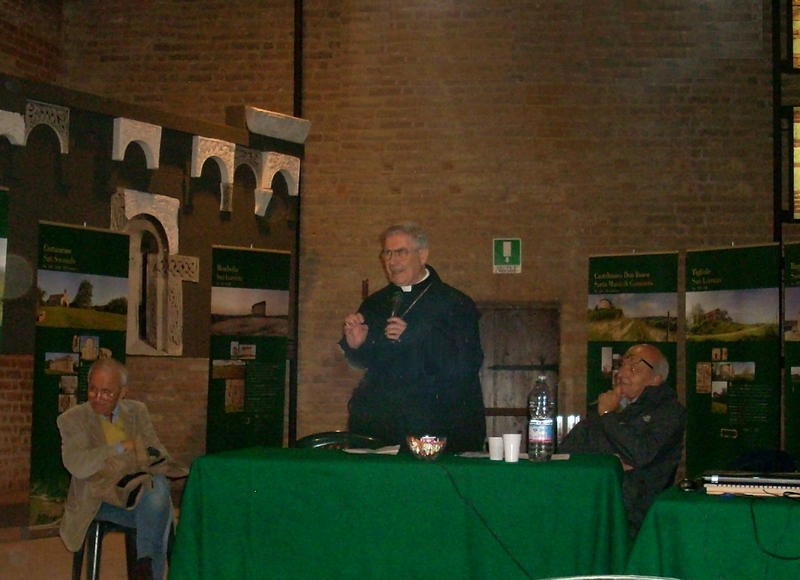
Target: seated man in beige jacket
(117, 463)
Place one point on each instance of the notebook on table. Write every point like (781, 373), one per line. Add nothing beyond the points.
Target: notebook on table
(751, 483)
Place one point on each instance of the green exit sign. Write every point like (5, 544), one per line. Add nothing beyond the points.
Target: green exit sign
(507, 256)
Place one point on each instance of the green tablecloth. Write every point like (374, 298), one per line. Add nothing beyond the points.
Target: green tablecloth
(695, 536)
(302, 514)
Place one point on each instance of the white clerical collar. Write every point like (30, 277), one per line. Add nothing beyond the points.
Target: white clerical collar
(408, 288)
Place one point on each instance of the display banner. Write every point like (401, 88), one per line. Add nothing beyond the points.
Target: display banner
(81, 315)
(632, 299)
(249, 338)
(791, 349)
(733, 376)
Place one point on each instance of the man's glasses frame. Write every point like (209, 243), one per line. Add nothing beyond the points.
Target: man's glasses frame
(400, 254)
(102, 394)
(633, 360)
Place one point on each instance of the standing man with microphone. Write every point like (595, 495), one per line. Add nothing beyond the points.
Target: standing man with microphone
(419, 341)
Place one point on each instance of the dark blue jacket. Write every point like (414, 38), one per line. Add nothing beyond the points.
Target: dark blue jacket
(427, 382)
(647, 435)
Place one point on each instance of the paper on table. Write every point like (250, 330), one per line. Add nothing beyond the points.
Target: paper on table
(388, 450)
(484, 454)
(480, 454)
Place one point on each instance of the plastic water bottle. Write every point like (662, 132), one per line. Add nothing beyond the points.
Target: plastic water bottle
(541, 420)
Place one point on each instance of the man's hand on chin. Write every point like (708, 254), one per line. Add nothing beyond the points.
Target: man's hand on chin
(609, 401)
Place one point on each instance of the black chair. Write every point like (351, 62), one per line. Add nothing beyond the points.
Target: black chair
(338, 440)
(93, 547)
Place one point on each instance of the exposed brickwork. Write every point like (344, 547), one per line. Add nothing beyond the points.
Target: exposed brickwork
(30, 39)
(16, 391)
(186, 57)
(176, 393)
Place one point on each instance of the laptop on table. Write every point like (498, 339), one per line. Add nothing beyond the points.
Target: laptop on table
(751, 483)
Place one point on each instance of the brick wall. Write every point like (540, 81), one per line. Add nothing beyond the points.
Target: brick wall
(30, 38)
(582, 126)
(183, 56)
(175, 391)
(16, 390)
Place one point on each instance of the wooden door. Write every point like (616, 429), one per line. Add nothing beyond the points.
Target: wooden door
(519, 341)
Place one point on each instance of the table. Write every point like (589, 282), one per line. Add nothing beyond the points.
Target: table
(696, 536)
(314, 513)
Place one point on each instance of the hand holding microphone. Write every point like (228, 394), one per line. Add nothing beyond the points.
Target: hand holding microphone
(397, 303)
(396, 325)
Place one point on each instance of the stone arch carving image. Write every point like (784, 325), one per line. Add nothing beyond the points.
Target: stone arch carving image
(222, 152)
(147, 136)
(156, 271)
(12, 126)
(259, 163)
(287, 165)
(54, 116)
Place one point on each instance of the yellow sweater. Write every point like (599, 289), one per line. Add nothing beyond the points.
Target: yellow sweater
(115, 432)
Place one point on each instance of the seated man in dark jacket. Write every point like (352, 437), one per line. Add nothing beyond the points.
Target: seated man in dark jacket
(640, 421)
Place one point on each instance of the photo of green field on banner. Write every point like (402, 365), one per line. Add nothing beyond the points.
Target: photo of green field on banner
(633, 317)
(732, 315)
(79, 300)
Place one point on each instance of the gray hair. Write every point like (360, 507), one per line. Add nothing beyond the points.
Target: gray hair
(411, 229)
(661, 367)
(109, 365)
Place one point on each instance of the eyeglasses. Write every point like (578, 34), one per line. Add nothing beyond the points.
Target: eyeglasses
(400, 254)
(631, 360)
(103, 394)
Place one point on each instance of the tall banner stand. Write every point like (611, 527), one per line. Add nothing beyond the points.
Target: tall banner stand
(81, 316)
(249, 339)
(733, 348)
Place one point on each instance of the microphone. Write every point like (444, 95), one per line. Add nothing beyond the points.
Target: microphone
(397, 302)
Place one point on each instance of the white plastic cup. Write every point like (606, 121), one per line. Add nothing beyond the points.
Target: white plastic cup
(511, 443)
(496, 448)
